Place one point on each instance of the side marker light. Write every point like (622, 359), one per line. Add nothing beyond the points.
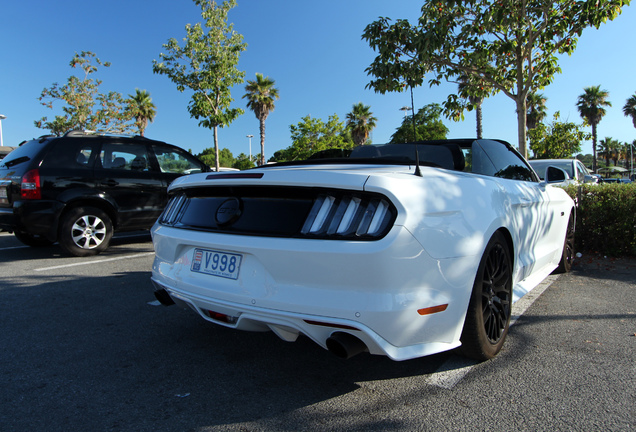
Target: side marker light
(432, 309)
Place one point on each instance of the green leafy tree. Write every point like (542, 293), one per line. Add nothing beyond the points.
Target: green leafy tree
(511, 45)
(261, 95)
(243, 162)
(428, 124)
(207, 65)
(591, 107)
(361, 122)
(629, 109)
(558, 140)
(208, 157)
(585, 158)
(536, 109)
(312, 135)
(141, 108)
(85, 108)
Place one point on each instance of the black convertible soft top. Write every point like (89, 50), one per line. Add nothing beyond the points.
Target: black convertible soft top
(445, 154)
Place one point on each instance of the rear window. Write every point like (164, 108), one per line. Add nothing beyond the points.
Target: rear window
(26, 152)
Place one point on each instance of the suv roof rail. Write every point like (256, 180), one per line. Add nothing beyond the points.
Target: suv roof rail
(77, 132)
(84, 133)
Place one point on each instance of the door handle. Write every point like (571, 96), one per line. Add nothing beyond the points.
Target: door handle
(110, 182)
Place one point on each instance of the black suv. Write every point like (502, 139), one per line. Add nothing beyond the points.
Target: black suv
(79, 188)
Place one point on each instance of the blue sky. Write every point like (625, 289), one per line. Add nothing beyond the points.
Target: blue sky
(313, 50)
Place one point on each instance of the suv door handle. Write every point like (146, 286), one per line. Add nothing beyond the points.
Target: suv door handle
(110, 182)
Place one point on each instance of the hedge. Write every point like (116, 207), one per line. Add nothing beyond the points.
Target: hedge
(605, 218)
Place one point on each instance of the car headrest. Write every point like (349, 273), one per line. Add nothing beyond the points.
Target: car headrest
(119, 162)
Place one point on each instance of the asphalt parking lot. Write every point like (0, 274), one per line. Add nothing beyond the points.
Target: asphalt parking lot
(84, 347)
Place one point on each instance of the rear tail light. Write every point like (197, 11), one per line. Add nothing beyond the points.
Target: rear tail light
(173, 209)
(349, 216)
(325, 214)
(30, 187)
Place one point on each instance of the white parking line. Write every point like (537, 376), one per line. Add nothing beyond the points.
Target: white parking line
(95, 262)
(14, 247)
(456, 367)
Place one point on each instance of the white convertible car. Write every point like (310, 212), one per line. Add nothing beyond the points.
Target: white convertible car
(402, 250)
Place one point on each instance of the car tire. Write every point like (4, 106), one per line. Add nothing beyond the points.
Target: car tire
(85, 231)
(488, 316)
(567, 255)
(32, 240)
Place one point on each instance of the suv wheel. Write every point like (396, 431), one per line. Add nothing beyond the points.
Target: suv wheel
(32, 240)
(85, 231)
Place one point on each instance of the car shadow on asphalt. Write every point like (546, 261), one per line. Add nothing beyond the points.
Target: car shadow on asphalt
(107, 345)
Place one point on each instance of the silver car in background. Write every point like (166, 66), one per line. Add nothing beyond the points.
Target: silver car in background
(576, 171)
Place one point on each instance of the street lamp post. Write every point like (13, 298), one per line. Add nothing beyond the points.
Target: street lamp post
(2, 117)
(405, 109)
(250, 138)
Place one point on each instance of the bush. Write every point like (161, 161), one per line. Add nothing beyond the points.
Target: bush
(605, 218)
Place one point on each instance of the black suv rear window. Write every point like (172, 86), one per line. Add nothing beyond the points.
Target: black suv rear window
(24, 153)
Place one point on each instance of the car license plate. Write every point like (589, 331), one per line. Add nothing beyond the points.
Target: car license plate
(216, 263)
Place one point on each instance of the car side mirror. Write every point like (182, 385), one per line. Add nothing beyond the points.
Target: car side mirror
(555, 175)
(590, 179)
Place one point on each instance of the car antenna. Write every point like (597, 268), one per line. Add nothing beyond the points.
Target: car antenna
(418, 171)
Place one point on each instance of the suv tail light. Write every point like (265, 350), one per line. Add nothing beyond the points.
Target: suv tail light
(30, 187)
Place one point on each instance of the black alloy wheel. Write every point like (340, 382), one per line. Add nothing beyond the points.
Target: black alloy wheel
(490, 308)
(567, 256)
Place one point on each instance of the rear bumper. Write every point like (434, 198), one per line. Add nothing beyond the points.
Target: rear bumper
(371, 290)
(33, 217)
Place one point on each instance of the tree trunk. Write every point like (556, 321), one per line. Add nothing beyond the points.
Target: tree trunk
(478, 114)
(216, 148)
(262, 128)
(594, 162)
(521, 125)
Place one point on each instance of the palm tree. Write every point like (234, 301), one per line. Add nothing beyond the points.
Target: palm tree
(475, 93)
(630, 109)
(361, 122)
(536, 109)
(261, 95)
(608, 148)
(141, 108)
(590, 105)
